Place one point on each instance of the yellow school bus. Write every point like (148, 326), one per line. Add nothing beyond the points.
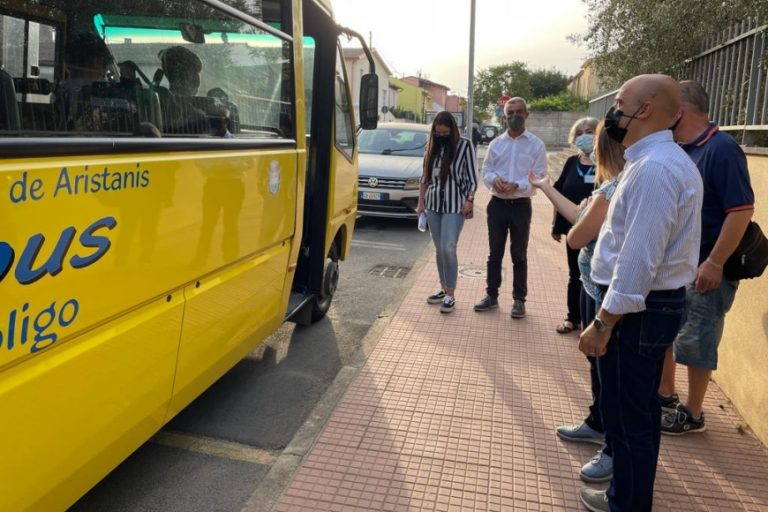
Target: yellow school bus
(177, 179)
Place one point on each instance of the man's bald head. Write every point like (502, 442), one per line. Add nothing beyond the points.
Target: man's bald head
(650, 102)
(661, 90)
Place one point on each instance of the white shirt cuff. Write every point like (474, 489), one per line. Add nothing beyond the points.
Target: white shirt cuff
(617, 303)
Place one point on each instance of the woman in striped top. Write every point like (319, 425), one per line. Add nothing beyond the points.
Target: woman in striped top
(447, 193)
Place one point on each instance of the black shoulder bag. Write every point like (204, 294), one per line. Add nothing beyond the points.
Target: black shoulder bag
(751, 256)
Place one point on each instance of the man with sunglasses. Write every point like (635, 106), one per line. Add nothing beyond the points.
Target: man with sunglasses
(646, 253)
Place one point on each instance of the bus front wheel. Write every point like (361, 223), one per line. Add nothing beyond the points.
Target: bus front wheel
(322, 301)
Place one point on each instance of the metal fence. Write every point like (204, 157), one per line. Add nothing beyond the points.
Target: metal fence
(733, 69)
(600, 105)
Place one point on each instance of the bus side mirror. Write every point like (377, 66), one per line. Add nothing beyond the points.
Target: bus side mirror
(369, 101)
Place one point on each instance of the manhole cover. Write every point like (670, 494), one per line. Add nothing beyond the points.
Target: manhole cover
(389, 271)
(470, 271)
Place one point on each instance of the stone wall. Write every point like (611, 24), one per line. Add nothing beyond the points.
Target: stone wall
(553, 127)
(741, 371)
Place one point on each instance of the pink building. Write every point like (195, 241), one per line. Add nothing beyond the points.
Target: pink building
(438, 92)
(454, 103)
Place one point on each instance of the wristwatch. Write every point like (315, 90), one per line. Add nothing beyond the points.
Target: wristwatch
(600, 325)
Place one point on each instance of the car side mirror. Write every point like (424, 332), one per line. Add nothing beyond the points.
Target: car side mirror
(369, 101)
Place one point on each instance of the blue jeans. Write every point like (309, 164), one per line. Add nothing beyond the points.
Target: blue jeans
(697, 342)
(630, 373)
(589, 308)
(445, 229)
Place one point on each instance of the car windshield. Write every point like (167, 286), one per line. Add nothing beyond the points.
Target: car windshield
(393, 141)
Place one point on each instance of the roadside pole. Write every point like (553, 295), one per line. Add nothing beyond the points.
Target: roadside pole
(470, 95)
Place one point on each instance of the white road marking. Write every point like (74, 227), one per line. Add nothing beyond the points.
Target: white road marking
(378, 245)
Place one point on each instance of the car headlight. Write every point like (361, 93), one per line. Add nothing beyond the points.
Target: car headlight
(412, 183)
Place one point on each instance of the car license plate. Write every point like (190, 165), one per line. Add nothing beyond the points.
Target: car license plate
(373, 196)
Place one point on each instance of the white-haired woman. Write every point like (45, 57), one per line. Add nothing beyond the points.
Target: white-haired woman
(576, 183)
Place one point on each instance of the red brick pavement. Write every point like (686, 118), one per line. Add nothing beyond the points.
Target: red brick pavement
(458, 412)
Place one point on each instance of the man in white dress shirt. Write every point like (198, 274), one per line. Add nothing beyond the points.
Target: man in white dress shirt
(646, 254)
(505, 172)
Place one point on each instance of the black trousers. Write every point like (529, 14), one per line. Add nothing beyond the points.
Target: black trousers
(513, 217)
(574, 285)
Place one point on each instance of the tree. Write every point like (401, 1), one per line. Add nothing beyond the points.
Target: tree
(547, 82)
(492, 83)
(400, 113)
(630, 37)
(561, 102)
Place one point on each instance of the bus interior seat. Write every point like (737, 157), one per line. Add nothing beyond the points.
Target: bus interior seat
(119, 107)
(9, 108)
(183, 115)
(234, 114)
(36, 114)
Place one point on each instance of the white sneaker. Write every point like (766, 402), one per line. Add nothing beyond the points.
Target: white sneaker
(580, 433)
(437, 297)
(448, 303)
(598, 469)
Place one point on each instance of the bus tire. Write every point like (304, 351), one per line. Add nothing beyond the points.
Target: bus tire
(322, 302)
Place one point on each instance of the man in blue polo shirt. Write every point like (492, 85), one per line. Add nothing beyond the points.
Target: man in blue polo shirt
(727, 210)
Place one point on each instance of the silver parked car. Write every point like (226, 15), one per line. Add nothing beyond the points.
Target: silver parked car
(391, 159)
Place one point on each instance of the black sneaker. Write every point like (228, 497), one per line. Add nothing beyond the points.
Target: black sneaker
(448, 304)
(669, 403)
(487, 303)
(681, 422)
(437, 297)
(518, 309)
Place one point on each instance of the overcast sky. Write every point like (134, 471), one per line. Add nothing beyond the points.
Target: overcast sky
(432, 36)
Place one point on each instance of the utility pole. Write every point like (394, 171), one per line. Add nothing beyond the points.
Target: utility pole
(470, 95)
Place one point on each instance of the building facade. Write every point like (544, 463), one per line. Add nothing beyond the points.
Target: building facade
(356, 64)
(411, 99)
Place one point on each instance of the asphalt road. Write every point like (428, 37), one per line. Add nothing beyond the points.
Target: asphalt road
(229, 446)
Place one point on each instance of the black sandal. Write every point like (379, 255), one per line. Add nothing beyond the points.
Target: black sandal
(564, 328)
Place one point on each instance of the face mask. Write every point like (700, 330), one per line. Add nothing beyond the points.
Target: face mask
(585, 143)
(612, 128)
(674, 126)
(442, 140)
(516, 122)
(612, 119)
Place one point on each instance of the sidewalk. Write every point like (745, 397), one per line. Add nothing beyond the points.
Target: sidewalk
(458, 412)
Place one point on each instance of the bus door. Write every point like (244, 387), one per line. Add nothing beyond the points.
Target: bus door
(331, 176)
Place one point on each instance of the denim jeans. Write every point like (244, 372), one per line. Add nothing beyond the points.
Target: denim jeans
(594, 420)
(630, 373)
(445, 229)
(697, 342)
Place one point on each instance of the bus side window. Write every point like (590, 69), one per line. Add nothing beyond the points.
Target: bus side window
(235, 82)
